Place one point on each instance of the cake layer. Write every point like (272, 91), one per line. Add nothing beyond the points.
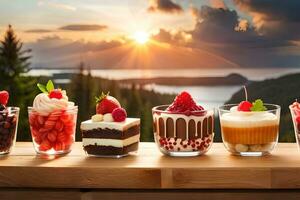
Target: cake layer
(110, 142)
(121, 126)
(111, 133)
(110, 151)
(248, 119)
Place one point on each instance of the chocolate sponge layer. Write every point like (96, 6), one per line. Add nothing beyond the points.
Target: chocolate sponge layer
(110, 150)
(111, 133)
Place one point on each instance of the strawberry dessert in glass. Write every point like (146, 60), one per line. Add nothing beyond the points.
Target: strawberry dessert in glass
(9, 117)
(183, 128)
(52, 120)
(295, 112)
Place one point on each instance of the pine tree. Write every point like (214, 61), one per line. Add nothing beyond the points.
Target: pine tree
(14, 60)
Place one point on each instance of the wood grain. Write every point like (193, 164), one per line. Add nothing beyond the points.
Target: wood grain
(149, 169)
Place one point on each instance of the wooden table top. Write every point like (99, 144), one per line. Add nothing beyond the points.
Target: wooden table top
(150, 169)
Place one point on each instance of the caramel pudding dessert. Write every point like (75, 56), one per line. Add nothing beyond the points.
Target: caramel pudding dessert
(183, 128)
(110, 132)
(250, 128)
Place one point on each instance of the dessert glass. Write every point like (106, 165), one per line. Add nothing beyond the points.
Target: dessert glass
(54, 133)
(8, 129)
(295, 112)
(183, 134)
(250, 133)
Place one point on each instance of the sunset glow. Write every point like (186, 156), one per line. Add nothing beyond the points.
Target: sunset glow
(141, 37)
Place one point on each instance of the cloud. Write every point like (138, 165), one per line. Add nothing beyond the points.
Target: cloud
(172, 37)
(57, 5)
(165, 6)
(83, 27)
(218, 4)
(276, 18)
(38, 31)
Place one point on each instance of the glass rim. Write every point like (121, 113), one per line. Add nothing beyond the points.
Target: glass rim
(73, 108)
(277, 107)
(156, 109)
(12, 108)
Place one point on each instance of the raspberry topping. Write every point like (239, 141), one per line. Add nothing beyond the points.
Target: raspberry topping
(183, 103)
(56, 93)
(4, 96)
(119, 114)
(245, 106)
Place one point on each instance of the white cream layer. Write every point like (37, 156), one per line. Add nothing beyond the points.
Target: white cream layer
(249, 119)
(121, 126)
(111, 142)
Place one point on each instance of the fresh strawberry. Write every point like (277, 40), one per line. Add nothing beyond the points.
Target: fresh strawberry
(119, 114)
(56, 94)
(106, 104)
(4, 96)
(245, 106)
(184, 102)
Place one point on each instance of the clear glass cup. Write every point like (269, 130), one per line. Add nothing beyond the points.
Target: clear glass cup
(54, 133)
(295, 112)
(183, 134)
(250, 133)
(9, 119)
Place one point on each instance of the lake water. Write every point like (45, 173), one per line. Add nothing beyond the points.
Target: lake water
(208, 96)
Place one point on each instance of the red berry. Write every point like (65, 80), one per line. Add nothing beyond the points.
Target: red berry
(184, 102)
(55, 94)
(4, 96)
(245, 106)
(119, 114)
(106, 104)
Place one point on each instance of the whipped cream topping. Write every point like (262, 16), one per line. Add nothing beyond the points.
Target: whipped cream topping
(45, 105)
(241, 119)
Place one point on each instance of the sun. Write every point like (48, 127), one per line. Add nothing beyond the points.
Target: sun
(141, 37)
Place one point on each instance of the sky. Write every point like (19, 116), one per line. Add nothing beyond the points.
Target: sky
(157, 33)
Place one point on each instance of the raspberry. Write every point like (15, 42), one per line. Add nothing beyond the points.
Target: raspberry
(119, 114)
(4, 96)
(244, 106)
(184, 102)
(55, 94)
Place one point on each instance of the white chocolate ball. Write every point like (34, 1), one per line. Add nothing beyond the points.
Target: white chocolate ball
(108, 117)
(241, 148)
(97, 118)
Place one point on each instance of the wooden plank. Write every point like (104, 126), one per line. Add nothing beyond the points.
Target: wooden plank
(71, 194)
(150, 169)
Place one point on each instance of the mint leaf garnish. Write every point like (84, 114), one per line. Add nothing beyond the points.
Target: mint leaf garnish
(258, 106)
(50, 86)
(42, 88)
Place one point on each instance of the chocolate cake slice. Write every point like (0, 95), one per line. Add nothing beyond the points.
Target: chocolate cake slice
(110, 138)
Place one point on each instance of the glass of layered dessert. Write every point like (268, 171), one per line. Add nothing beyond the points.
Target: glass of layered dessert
(295, 112)
(52, 120)
(110, 133)
(9, 117)
(250, 129)
(183, 128)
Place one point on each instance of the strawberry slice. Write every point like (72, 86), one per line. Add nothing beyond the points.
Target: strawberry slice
(106, 104)
(55, 94)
